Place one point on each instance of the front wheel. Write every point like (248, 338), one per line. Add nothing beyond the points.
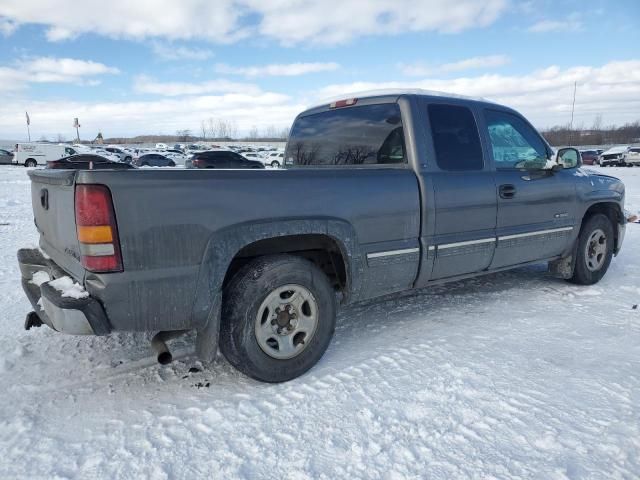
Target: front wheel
(278, 317)
(595, 249)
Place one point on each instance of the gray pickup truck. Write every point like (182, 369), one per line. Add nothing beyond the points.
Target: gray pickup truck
(381, 193)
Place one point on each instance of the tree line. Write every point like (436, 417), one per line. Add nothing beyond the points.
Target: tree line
(596, 135)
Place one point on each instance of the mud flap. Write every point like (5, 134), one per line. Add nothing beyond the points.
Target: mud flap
(563, 267)
(207, 336)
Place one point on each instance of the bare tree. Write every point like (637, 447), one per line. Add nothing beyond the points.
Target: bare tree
(222, 129)
(203, 130)
(60, 138)
(284, 133)
(183, 135)
(211, 127)
(233, 129)
(270, 132)
(253, 133)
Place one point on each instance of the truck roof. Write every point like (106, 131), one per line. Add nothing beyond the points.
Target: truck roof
(388, 92)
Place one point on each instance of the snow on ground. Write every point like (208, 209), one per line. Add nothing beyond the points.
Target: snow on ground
(514, 375)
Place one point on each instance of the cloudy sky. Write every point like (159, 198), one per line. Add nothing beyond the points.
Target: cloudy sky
(155, 66)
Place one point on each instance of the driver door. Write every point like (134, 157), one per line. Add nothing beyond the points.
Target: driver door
(536, 208)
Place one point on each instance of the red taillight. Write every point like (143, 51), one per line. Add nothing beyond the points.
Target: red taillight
(344, 103)
(97, 229)
(196, 162)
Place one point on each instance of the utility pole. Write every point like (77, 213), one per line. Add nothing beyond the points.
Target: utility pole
(76, 124)
(28, 123)
(573, 107)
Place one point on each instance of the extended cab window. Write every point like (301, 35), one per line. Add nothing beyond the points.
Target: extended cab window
(364, 135)
(455, 138)
(514, 143)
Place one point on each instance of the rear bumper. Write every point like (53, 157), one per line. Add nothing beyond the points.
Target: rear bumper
(83, 316)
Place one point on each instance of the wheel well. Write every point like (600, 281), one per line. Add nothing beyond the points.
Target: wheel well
(322, 250)
(612, 211)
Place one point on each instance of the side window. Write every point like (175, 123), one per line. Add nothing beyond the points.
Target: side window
(358, 135)
(455, 138)
(514, 143)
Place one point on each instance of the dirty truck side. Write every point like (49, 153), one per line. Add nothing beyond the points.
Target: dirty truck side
(381, 194)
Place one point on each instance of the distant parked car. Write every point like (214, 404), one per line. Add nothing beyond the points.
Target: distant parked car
(221, 159)
(257, 157)
(275, 159)
(123, 155)
(632, 157)
(622, 156)
(161, 146)
(86, 162)
(154, 160)
(6, 157)
(589, 157)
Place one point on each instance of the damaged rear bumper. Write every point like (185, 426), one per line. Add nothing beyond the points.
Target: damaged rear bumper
(77, 316)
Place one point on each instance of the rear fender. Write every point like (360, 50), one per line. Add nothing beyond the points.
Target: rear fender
(225, 244)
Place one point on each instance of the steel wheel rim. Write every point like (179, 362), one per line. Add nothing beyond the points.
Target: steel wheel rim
(286, 321)
(595, 251)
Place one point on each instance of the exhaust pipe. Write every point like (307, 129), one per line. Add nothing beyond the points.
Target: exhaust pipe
(159, 344)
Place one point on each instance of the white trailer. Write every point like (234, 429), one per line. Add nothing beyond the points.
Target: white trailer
(34, 154)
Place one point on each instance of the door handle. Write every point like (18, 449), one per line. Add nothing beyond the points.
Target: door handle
(507, 191)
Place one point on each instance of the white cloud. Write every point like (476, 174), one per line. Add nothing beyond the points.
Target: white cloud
(168, 51)
(225, 21)
(544, 95)
(146, 85)
(143, 117)
(338, 21)
(570, 24)
(51, 70)
(216, 21)
(278, 70)
(419, 69)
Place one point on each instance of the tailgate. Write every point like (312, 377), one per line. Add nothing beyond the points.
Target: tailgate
(52, 198)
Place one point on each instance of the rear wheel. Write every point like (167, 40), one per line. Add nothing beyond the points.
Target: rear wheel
(275, 164)
(30, 163)
(595, 249)
(172, 164)
(278, 317)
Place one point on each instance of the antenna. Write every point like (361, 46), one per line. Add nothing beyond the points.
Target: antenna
(573, 107)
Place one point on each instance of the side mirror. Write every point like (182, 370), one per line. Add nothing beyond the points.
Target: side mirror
(569, 158)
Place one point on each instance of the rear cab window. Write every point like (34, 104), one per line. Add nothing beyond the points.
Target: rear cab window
(350, 136)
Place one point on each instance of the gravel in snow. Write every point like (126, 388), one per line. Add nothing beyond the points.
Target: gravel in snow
(513, 375)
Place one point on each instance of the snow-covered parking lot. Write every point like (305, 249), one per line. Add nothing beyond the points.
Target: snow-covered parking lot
(514, 375)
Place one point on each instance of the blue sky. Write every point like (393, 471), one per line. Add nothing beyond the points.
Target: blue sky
(129, 68)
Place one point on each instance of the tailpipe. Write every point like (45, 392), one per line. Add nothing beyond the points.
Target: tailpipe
(159, 345)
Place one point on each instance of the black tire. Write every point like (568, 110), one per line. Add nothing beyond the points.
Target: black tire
(172, 164)
(145, 164)
(582, 274)
(30, 163)
(243, 297)
(127, 159)
(275, 164)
